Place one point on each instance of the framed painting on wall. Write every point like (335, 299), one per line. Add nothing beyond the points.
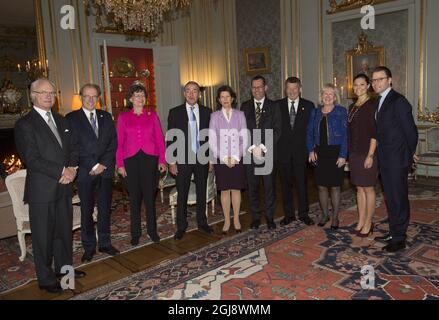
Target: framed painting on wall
(257, 60)
(362, 59)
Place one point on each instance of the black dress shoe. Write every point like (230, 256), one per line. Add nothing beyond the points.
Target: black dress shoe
(78, 274)
(395, 246)
(307, 220)
(206, 228)
(112, 251)
(179, 234)
(271, 225)
(255, 224)
(135, 241)
(286, 221)
(154, 237)
(88, 256)
(386, 238)
(53, 288)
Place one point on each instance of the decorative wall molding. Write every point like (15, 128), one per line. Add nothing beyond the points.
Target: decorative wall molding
(346, 5)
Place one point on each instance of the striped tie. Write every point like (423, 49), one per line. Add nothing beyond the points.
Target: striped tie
(258, 113)
(93, 124)
(292, 115)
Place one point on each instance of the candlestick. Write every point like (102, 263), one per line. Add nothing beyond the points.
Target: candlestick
(19, 67)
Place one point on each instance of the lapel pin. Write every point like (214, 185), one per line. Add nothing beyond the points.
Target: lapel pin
(67, 130)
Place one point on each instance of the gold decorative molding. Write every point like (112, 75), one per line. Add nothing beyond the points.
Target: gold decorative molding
(346, 5)
(429, 116)
(39, 29)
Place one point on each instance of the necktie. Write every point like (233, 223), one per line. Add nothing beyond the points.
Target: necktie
(258, 113)
(195, 145)
(379, 107)
(292, 115)
(53, 127)
(93, 124)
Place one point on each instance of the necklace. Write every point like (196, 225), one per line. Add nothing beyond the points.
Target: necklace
(353, 113)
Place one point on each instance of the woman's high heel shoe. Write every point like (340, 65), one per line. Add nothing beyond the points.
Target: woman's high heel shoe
(365, 235)
(323, 220)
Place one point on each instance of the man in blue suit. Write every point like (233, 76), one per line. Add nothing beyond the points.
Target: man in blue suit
(397, 137)
(95, 133)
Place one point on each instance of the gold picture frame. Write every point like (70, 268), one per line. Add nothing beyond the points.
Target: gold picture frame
(257, 60)
(363, 59)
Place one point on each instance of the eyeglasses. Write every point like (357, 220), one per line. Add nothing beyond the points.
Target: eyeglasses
(91, 97)
(378, 79)
(45, 93)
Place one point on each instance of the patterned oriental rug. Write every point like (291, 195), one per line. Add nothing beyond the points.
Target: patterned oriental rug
(14, 273)
(299, 262)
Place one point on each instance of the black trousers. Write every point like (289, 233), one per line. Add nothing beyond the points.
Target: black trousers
(294, 172)
(183, 181)
(142, 178)
(51, 227)
(395, 183)
(86, 189)
(253, 193)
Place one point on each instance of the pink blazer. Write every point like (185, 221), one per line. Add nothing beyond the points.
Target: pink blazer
(136, 133)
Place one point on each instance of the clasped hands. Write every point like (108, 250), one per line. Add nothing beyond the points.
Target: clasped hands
(230, 162)
(68, 175)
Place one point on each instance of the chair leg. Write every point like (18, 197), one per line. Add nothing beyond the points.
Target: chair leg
(213, 206)
(173, 214)
(22, 243)
(161, 194)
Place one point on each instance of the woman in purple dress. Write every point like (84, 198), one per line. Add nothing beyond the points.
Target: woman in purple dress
(228, 140)
(362, 158)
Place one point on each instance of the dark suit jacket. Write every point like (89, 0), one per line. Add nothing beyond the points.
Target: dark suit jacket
(292, 142)
(94, 150)
(397, 134)
(270, 119)
(178, 119)
(43, 157)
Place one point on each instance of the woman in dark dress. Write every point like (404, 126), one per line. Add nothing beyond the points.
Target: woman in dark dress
(362, 158)
(327, 146)
(228, 142)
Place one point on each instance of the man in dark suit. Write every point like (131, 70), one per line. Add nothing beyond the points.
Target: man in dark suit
(291, 153)
(261, 114)
(95, 134)
(44, 143)
(189, 119)
(397, 137)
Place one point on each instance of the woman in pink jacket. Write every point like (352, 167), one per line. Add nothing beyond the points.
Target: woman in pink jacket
(228, 142)
(140, 151)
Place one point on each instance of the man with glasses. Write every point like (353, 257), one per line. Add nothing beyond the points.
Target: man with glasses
(95, 134)
(397, 137)
(261, 114)
(44, 143)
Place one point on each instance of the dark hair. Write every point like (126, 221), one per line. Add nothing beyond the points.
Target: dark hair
(228, 89)
(293, 80)
(362, 75)
(259, 77)
(383, 68)
(90, 85)
(134, 89)
(192, 83)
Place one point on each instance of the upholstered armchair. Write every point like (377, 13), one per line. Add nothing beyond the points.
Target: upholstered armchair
(431, 156)
(192, 197)
(15, 184)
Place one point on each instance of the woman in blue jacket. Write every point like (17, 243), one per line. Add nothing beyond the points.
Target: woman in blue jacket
(327, 146)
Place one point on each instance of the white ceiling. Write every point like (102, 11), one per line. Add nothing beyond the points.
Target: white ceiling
(17, 13)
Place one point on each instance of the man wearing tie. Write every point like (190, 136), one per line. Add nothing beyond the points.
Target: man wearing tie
(95, 134)
(397, 137)
(262, 114)
(189, 119)
(45, 145)
(291, 152)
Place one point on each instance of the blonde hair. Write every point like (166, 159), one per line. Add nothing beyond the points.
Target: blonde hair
(330, 86)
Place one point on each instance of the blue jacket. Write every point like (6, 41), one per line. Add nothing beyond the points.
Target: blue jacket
(337, 129)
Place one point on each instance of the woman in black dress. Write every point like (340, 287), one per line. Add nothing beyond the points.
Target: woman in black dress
(362, 158)
(327, 146)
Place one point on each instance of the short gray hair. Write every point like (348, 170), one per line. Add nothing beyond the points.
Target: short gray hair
(36, 83)
(330, 86)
